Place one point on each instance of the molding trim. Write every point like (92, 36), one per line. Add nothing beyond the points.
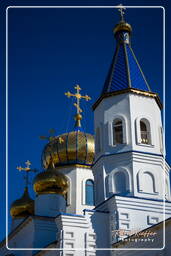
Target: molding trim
(128, 90)
(129, 151)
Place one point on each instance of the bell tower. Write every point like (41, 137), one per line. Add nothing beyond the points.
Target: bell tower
(129, 157)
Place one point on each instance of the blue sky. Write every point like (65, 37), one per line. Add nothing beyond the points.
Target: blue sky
(52, 49)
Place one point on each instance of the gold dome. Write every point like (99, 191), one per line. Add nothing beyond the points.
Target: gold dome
(122, 26)
(50, 182)
(22, 207)
(75, 147)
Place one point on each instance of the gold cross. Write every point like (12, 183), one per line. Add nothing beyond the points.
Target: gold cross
(27, 169)
(78, 97)
(121, 10)
(50, 138)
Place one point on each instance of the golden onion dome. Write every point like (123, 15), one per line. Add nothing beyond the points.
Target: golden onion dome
(22, 207)
(122, 26)
(71, 148)
(50, 182)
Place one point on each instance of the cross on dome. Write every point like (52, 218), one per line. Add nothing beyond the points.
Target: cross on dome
(78, 96)
(51, 137)
(27, 169)
(121, 9)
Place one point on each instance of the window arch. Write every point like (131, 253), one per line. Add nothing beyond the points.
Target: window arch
(145, 132)
(117, 132)
(89, 192)
(98, 141)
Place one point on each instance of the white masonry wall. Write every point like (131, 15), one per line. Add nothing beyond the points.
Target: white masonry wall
(75, 232)
(133, 214)
(77, 177)
(49, 205)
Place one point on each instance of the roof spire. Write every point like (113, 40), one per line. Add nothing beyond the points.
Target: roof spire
(78, 96)
(125, 72)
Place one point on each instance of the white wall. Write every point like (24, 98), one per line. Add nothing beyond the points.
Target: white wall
(49, 205)
(133, 214)
(143, 163)
(76, 197)
(76, 232)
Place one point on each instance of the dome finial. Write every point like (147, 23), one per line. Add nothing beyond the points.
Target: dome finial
(122, 30)
(121, 9)
(78, 96)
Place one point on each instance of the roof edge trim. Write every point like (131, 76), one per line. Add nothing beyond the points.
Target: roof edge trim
(128, 90)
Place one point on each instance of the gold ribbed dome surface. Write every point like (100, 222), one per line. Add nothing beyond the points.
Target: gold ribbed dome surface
(50, 182)
(75, 147)
(122, 26)
(22, 207)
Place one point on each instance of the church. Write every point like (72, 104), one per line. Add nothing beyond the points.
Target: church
(105, 194)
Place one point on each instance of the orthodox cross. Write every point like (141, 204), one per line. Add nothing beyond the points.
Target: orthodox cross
(78, 97)
(27, 169)
(51, 137)
(121, 10)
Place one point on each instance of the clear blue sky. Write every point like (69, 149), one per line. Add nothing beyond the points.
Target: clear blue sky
(52, 49)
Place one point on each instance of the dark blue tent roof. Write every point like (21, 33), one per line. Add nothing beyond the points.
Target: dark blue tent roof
(125, 71)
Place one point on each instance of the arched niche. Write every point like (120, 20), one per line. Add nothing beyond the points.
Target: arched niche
(146, 182)
(118, 182)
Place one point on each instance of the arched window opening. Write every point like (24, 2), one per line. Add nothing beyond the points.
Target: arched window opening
(89, 192)
(120, 183)
(117, 132)
(145, 132)
(97, 141)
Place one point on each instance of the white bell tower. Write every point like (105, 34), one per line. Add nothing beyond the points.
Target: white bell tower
(129, 157)
(131, 177)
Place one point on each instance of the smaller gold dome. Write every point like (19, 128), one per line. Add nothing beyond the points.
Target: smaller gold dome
(122, 26)
(22, 207)
(51, 182)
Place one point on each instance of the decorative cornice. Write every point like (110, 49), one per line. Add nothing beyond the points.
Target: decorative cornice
(128, 90)
(128, 151)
